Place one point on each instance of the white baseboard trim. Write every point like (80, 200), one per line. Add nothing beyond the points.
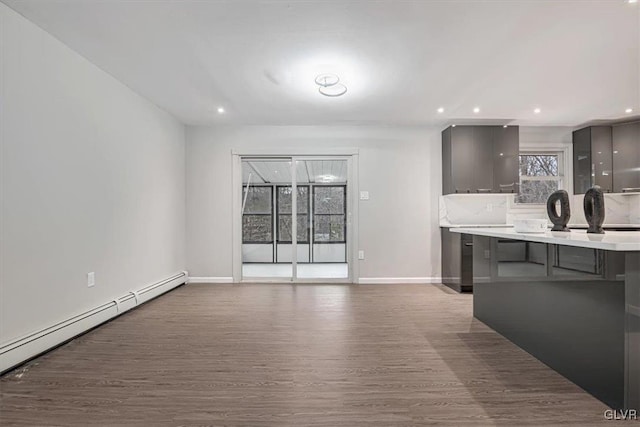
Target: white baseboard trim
(398, 280)
(210, 280)
(18, 351)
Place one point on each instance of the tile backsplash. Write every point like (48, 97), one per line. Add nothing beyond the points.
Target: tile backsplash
(496, 209)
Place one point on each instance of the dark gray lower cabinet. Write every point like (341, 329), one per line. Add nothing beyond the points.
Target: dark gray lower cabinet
(457, 260)
(575, 309)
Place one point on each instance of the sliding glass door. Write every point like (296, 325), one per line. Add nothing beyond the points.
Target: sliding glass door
(306, 243)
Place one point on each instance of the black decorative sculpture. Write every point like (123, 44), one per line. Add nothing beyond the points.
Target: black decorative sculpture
(559, 221)
(594, 209)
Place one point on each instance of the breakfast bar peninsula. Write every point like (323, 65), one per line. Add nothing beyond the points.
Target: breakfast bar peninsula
(571, 299)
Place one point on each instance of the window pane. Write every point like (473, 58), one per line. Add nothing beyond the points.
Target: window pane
(328, 228)
(328, 200)
(258, 200)
(538, 165)
(284, 228)
(536, 191)
(256, 229)
(284, 200)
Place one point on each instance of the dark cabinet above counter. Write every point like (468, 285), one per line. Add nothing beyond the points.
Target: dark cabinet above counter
(480, 159)
(608, 156)
(592, 163)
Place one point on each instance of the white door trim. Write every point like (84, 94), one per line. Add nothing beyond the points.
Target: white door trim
(349, 154)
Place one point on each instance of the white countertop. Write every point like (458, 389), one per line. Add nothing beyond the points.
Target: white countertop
(611, 240)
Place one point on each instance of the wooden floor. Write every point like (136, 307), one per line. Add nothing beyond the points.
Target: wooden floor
(285, 355)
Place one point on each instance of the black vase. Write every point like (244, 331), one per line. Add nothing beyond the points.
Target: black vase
(559, 221)
(594, 209)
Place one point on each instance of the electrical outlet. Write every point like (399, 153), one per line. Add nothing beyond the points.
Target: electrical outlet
(91, 279)
(487, 254)
(360, 254)
(364, 195)
(489, 207)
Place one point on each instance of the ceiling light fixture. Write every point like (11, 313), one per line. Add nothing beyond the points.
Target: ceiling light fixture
(329, 85)
(476, 110)
(633, 1)
(220, 110)
(628, 110)
(505, 126)
(537, 111)
(440, 110)
(453, 126)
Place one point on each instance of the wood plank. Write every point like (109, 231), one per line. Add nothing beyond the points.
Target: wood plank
(295, 355)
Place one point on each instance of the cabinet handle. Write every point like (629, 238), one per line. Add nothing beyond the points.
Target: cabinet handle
(468, 244)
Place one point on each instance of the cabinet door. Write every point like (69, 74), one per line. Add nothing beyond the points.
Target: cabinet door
(506, 149)
(581, 160)
(601, 162)
(482, 159)
(447, 183)
(463, 162)
(626, 156)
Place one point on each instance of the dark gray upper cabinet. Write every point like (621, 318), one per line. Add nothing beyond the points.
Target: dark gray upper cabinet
(608, 156)
(626, 157)
(506, 151)
(479, 159)
(592, 163)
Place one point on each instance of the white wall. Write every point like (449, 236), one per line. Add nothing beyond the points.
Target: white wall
(92, 180)
(400, 167)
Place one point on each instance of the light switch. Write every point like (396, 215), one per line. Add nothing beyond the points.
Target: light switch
(91, 279)
(364, 195)
(360, 254)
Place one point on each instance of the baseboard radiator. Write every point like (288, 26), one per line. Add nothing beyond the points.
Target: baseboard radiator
(23, 349)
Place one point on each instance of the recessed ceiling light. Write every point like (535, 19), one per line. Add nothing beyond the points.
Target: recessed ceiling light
(440, 110)
(537, 111)
(501, 154)
(476, 110)
(633, 1)
(628, 110)
(220, 110)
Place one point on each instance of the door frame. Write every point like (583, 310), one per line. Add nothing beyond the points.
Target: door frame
(350, 155)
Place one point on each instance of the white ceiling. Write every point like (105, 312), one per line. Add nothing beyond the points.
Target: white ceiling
(401, 60)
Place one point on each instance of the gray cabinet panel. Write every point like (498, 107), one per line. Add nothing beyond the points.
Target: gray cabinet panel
(447, 183)
(581, 160)
(626, 156)
(463, 159)
(479, 159)
(601, 152)
(505, 159)
(608, 156)
(482, 162)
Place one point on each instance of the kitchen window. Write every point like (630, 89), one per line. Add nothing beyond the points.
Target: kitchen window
(541, 173)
